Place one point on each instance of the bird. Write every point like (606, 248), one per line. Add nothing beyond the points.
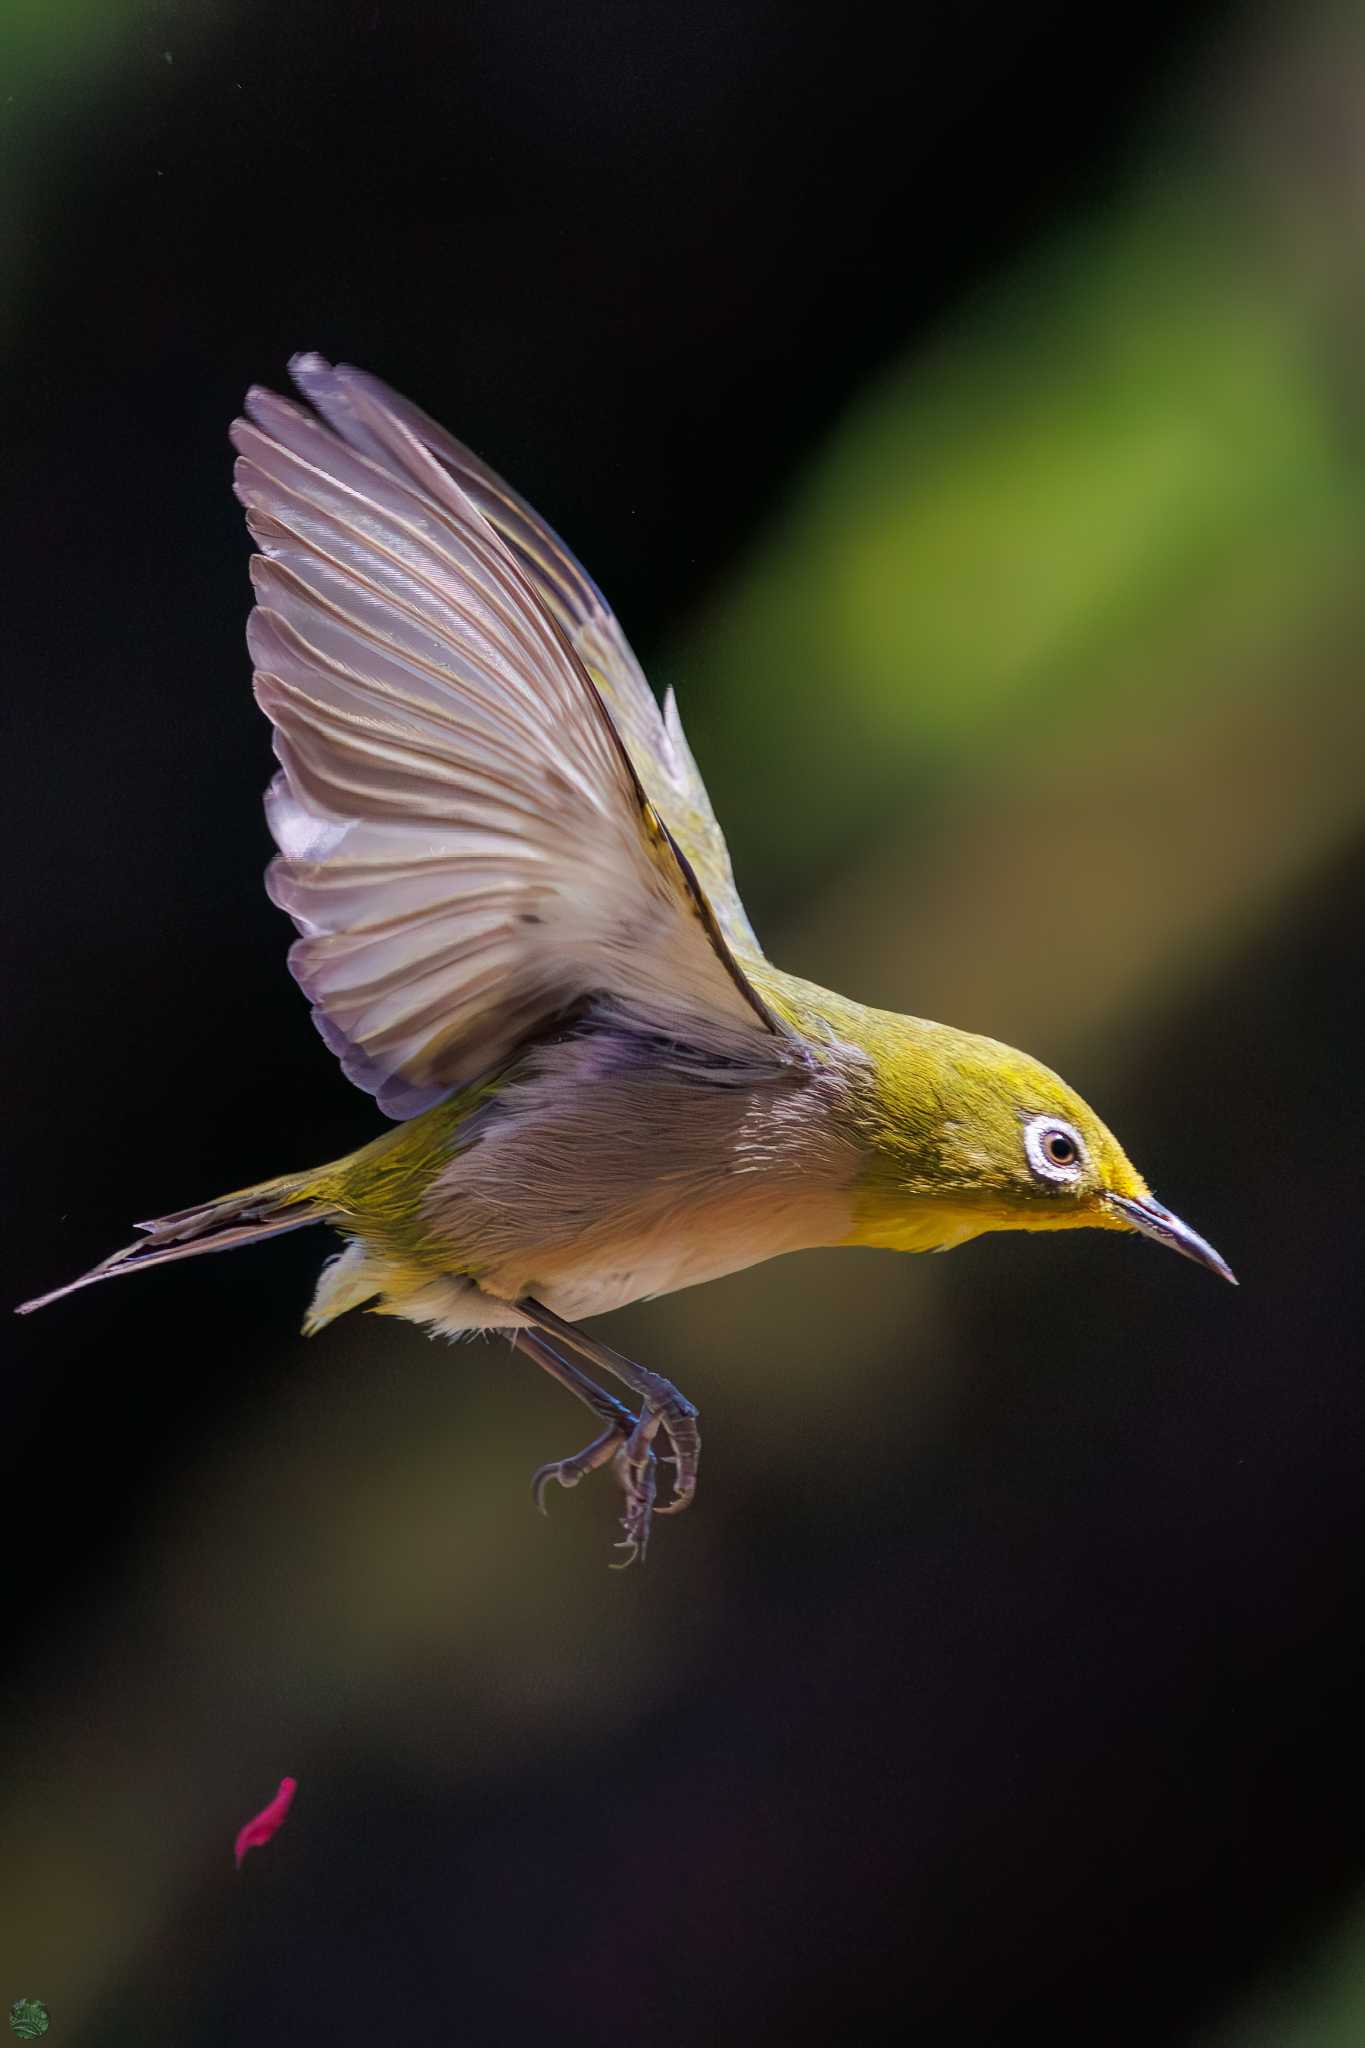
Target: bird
(519, 931)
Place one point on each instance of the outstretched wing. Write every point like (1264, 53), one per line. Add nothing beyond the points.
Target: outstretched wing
(654, 739)
(465, 845)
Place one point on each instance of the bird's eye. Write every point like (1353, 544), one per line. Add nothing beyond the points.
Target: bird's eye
(1056, 1152)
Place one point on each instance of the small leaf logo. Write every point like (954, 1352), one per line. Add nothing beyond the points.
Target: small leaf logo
(28, 2018)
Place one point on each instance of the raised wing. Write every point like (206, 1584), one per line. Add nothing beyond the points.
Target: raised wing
(654, 739)
(465, 845)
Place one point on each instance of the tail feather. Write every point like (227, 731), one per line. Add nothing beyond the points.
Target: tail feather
(246, 1217)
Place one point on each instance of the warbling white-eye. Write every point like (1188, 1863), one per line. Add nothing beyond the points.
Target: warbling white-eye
(521, 934)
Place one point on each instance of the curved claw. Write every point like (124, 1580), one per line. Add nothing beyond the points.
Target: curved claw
(683, 1493)
(541, 1477)
(568, 1471)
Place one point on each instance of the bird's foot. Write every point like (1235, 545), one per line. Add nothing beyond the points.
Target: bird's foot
(628, 1439)
(636, 1469)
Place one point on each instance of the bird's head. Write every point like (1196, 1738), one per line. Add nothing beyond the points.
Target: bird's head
(971, 1136)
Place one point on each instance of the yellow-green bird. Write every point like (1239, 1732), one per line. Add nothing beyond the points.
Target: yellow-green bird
(520, 932)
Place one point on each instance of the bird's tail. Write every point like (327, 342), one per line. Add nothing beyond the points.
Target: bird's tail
(267, 1210)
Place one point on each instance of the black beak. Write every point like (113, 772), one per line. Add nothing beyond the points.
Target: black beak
(1157, 1223)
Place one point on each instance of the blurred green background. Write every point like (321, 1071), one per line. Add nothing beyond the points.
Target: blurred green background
(972, 430)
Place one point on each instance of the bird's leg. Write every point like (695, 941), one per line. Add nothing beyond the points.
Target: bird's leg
(610, 1445)
(662, 1407)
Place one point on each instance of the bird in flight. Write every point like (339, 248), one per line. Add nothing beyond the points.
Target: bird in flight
(519, 931)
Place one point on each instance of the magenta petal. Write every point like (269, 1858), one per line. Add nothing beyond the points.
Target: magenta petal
(262, 1825)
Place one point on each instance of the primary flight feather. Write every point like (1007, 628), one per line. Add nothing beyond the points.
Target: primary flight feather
(519, 930)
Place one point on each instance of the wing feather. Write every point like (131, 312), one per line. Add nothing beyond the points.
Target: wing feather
(465, 845)
(350, 399)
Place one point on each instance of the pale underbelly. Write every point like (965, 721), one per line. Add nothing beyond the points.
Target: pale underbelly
(577, 1289)
(580, 1281)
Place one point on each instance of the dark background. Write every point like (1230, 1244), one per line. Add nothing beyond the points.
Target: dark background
(1007, 1676)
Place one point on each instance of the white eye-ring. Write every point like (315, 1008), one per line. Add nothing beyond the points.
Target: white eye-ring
(1056, 1150)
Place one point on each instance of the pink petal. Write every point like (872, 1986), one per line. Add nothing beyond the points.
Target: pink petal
(263, 1824)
